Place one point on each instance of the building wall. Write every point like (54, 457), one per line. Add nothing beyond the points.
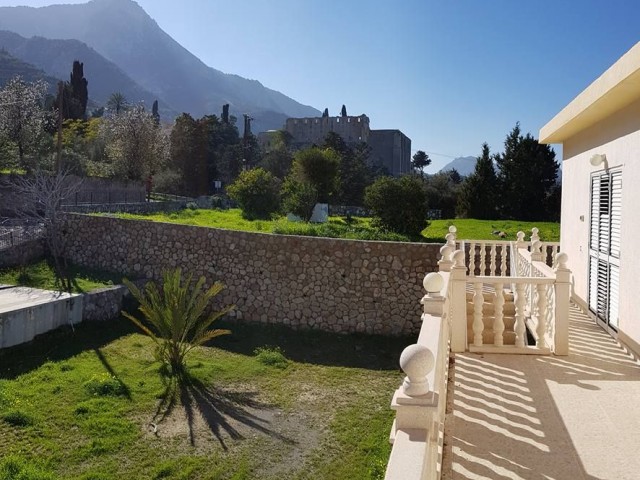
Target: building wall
(306, 131)
(391, 149)
(304, 282)
(618, 137)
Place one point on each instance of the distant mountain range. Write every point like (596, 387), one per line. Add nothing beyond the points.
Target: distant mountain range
(463, 165)
(125, 50)
(11, 66)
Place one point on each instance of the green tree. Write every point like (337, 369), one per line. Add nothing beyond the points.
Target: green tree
(319, 167)
(155, 113)
(189, 152)
(527, 175)
(117, 103)
(479, 190)
(73, 97)
(441, 191)
(420, 161)
(298, 198)
(175, 316)
(257, 193)
(354, 175)
(398, 204)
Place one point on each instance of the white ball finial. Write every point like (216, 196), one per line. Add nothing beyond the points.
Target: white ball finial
(562, 259)
(458, 258)
(416, 361)
(445, 251)
(453, 229)
(433, 283)
(520, 236)
(534, 231)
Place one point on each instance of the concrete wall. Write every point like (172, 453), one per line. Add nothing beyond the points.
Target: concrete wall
(30, 312)
(304, 282)
(619, 138)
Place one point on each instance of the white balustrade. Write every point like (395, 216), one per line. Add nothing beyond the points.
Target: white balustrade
(478, 324)
(498, 321)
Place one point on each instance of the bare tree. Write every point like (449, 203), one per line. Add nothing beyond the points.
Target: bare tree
(40, 199)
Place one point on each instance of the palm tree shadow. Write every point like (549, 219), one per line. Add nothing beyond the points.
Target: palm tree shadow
(223, 411)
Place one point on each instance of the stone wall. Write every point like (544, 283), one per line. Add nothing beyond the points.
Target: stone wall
(103, 304)
(22, 253)
(303, 282)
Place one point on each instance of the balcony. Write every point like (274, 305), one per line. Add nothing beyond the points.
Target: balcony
(508, 379)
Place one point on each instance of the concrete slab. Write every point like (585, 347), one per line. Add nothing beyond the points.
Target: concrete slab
(524, 417)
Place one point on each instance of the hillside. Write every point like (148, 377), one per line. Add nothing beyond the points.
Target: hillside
(11, 66)
(122, 32)
(464, 165)
(56, 57)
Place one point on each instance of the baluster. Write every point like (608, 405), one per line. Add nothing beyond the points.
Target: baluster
(503, 260)
(483, 258)
(542, 314)
(498, 322)
(519, 327)
(478, 324)
(472, 259)
(492, 255)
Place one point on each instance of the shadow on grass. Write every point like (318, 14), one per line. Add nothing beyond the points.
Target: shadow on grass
(374, 352)
(223, 411)
(61, 344)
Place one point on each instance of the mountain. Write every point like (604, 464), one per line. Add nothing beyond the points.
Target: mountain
(11, 66)
(121, 31)
(56, 57)
(464, 165)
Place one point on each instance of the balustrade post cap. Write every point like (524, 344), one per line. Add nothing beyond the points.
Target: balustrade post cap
(416, 361)
(450, 237)
(458, 258)
(433, 283)
(534, 231)
(452, 229)
(520, 236)
(445, 251)
(536, 245)
(562, 259)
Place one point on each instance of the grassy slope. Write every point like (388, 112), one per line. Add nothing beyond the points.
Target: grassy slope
(78, 406)
(337, 227)
(40, 275)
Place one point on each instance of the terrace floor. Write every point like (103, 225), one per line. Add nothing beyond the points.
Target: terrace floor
(538, 417)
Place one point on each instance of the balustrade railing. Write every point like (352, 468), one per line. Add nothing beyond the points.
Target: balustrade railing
(538, 299)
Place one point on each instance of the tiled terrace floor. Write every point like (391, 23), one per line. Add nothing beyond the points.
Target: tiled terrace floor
(534, 417)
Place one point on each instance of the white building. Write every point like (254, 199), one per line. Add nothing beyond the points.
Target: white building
(600, 134)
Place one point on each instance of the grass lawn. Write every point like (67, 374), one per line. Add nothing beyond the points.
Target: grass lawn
(359, 228)
(41, 275)
(91, 404)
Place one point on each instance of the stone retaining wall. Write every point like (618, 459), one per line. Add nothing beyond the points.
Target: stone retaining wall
(303, 282)
(103, 304)
(22, 253)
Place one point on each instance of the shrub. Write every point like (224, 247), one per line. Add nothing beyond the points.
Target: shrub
(271, 356)
(298, 198)
(105, 386)
(398, 204)
(319, 167)
(174, 316)
(192, 206)
(18, 468)
(17, 418)
(257, 192)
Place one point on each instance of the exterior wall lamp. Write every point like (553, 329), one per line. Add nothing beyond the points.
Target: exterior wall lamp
(598, 159)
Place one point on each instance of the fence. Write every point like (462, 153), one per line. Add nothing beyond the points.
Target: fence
(16, 236)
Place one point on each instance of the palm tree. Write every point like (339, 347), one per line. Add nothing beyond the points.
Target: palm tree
(117, 103)
(175, 316)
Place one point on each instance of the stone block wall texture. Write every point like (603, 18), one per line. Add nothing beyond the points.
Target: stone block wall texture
(303, 282)
(103, 304)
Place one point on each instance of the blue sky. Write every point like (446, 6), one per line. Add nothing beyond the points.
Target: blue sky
(451, 74)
